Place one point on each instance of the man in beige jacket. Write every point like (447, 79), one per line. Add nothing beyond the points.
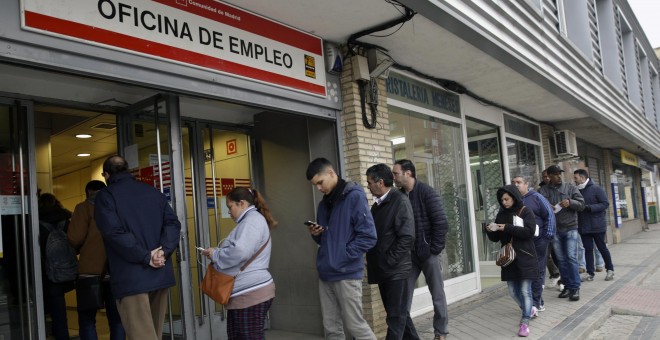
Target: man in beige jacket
(85, 237)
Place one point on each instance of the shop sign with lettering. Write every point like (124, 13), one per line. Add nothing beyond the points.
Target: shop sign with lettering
(203, 33)
(417, 93)
(629, 158)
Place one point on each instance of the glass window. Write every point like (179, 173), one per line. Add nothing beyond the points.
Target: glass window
(625, 190)
(436, 148)
(525, 160)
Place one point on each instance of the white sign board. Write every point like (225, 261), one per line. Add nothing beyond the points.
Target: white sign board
(203, 33)
(10, 205)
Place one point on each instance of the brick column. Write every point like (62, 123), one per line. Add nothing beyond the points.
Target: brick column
(363, 148)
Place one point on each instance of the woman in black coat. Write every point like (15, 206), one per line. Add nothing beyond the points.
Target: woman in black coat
(524, 269)
(52, 212)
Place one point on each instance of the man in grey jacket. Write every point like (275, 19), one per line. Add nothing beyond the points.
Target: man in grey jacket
(567, 202)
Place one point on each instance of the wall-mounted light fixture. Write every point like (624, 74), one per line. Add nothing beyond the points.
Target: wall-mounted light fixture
(379, 63)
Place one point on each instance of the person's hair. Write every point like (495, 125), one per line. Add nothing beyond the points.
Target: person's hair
(381, 171)
(49, 201)
(581, 172)
(406, 165)
(317, 166)
(524, 178)
(94, 185)
(115, 165)
(253, 197)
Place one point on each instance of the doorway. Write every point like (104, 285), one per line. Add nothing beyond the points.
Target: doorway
(486, 170)
(20, 288)
(216, 159)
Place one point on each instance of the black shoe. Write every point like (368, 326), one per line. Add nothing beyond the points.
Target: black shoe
(575, 295)
(565, 293)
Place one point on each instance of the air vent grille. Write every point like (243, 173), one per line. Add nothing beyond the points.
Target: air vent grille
(105, 126)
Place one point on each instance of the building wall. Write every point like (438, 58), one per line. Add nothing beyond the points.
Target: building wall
(363, 148)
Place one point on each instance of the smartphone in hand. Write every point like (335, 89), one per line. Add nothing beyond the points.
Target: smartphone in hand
(313, 224)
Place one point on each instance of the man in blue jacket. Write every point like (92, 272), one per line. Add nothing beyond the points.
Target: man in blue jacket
(140, 231)
(545, 221)
(344, 231)
(431, 229)
(591, 223)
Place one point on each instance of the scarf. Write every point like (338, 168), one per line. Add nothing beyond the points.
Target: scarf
(330, 199)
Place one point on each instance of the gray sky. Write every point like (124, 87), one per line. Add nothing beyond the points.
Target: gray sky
(648, 13)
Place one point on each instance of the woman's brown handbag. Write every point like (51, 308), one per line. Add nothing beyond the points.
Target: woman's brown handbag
(218, 286)
(506, 255)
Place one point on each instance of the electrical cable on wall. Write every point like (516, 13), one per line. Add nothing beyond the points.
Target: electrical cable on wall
(450, 85)
(372, 86)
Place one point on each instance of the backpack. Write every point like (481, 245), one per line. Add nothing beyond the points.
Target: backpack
(59, 257)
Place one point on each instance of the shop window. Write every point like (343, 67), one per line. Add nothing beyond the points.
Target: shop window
(525, 160)
(625, 194)
(436, 147)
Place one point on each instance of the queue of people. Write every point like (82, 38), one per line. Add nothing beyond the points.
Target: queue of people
(560, 214)
(126, 246)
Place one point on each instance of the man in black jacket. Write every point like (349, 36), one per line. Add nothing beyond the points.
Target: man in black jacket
(389, 263)
(431, 229)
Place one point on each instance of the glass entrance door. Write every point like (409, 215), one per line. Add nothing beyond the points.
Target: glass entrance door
(21, 310)
(149, 138)
(216, 159)
(486, 170)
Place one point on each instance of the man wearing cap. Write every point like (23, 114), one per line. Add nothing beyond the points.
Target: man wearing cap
(567, 201)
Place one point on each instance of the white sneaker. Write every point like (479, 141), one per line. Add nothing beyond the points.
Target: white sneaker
(552, 282)
(561, 287)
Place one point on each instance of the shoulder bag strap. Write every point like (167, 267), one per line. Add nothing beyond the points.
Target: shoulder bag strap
(254, 256)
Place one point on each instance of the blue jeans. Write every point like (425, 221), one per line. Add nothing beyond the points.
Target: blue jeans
(565, 246)
(598, 239)
(541, 245)
(582, 263)
(521, 292)
(87, 318)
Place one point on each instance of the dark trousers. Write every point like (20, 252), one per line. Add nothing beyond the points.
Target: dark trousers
(56, 307)
(394, 294)
(588, 241)
(87, 318)
(433, 275)
(551, 261)
(541, 245)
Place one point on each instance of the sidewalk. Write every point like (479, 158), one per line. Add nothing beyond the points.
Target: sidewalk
(626, 308)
